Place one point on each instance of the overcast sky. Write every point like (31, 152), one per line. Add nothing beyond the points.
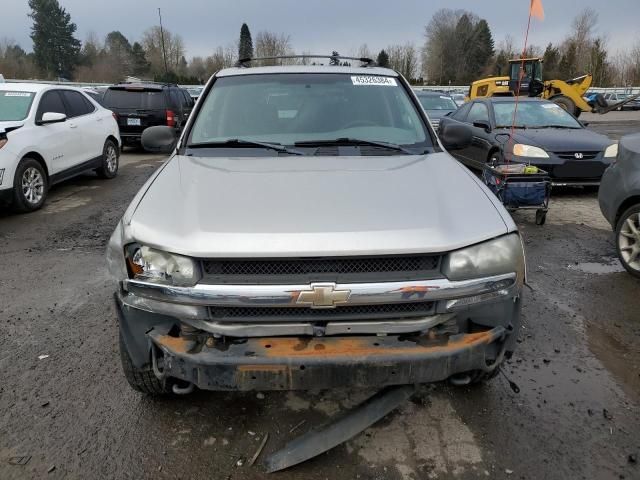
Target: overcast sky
(320, 26)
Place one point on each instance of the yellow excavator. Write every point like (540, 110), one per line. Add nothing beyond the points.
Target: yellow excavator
(567, 94)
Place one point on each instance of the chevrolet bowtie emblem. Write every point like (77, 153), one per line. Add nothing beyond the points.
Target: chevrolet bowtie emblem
(323, 295)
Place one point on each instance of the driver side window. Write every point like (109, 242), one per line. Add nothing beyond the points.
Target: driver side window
(478, 113)
(50, 102)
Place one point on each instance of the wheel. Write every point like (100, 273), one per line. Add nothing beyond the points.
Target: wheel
(30, 186)
(628, 240)
(565, 103)
(142, 380)
(541, 217)
(110, 158)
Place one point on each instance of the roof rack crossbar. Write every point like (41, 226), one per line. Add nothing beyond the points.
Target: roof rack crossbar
(243, 62)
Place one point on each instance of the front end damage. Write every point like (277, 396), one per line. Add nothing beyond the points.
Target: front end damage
(467, 332)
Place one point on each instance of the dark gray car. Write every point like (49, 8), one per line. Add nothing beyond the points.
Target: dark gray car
(437, 105)
(619, 198)
(544, 135)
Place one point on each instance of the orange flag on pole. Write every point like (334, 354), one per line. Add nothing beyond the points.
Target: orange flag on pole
(536, 10)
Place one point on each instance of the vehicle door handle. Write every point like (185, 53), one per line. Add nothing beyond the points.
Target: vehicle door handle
(100, 119)
(73, 125)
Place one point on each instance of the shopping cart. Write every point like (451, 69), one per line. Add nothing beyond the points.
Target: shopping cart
(518, 189)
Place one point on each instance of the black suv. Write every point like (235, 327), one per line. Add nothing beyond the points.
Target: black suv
(141, 105)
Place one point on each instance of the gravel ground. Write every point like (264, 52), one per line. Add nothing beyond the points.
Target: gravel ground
(64, 402)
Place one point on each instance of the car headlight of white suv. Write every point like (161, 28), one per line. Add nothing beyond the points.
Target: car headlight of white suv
(499, 256)
(155, 266)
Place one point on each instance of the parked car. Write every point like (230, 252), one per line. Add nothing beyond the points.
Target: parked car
(309, 231)
(50, 133)
(613, 98)
(458, 98)
(195, 92)
(437, 105)
(141, 105)
(619, 198)
(93, 93)
(545, 135)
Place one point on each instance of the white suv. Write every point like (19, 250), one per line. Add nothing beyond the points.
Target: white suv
(49, 133)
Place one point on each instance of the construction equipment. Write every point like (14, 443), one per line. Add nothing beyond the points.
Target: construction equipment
(525, 78)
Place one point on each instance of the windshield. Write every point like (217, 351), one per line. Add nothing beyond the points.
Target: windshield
(437, 102)
(14, 106)
(290, 108)
(533, 115)
(135, 99)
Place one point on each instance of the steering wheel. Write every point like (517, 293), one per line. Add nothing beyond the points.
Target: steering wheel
(360, 123)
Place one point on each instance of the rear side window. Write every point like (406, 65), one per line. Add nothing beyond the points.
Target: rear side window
(51, 102)
(77, 104)
(134, 99)
(188, 101)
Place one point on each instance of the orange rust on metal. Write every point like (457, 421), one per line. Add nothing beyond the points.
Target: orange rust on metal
(175, 344)
(339, 347)
(262, 368)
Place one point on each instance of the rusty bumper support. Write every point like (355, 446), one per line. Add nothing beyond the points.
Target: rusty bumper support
(316, 363)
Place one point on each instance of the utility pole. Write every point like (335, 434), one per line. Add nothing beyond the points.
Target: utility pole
(164, 51)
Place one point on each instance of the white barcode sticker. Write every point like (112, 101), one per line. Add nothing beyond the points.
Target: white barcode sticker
(371, 80)
(17, 94)
(550, 105)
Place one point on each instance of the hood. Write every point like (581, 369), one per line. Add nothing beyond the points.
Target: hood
(563, 140)
(314, 206)
(8, 126)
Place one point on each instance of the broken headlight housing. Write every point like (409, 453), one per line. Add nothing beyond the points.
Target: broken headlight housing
(496, 257)
(151, 265)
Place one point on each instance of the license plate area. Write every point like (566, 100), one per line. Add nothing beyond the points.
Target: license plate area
(133, 122)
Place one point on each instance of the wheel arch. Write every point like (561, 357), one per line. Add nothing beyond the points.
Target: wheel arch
(38, 158)
(115, 140)
(624, 206)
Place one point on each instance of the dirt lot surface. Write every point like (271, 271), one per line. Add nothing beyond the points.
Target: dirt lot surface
(65, 405)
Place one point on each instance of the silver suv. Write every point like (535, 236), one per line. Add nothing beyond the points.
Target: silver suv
(309, 230)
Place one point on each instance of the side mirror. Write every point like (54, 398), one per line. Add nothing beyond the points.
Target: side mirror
(159, 139)
(52, 117)
(486, 126)
(455, 136)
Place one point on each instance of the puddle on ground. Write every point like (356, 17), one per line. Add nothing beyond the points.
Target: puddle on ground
(612, 266)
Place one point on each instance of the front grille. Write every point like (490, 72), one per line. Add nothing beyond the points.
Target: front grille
(350, 312)
(293, 270)
(572, 155)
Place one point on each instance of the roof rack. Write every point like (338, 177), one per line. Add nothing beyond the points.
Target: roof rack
(243, 62)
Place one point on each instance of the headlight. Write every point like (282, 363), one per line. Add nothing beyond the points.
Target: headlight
(155, 266)
(495, 257)
(611, 151)
(521, 150)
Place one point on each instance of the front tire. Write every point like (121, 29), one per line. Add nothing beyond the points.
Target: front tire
(567, 104)
(628, 240)
(110, 160)
(141, 379)
(30, 186)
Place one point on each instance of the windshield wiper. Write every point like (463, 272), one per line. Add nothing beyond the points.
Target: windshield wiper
(556, 126)
(356, 141)
(245, 143)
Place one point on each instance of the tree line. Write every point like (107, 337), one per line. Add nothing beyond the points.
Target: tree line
(458, 48)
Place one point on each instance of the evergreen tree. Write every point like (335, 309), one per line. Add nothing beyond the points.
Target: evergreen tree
(551, 60)
(464, 34)
(567, 67)
(482, 50)
(383, 59)
(54, 45)
(245, 48)
(334, 58)
(140, 65)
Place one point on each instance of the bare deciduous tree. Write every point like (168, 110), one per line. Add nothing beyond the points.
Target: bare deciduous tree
(269, 44)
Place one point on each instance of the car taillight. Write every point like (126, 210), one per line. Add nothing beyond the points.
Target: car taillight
(171, 119)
